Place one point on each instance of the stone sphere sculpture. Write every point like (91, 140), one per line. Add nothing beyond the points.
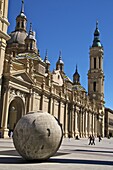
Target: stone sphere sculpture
(37, 136)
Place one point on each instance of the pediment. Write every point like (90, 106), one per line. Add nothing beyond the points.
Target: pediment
(23, 76)
(57, 78)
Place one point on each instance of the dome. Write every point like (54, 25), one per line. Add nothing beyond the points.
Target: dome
(97, 32)
(17, 37)
(60, 61)
(77, 87)
(76, 77)
(96, 41)
(22, 15)
(46, 60)
(31, 34)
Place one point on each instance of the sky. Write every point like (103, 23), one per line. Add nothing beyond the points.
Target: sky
(69, 25)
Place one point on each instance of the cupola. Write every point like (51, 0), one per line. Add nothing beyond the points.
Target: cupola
(60, 63)
(21, 20)
(47, 62)
(96, 41)
(76, 77)
(30, 41)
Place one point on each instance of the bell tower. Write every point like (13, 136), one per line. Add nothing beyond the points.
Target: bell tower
(95, 73)
(60, 63)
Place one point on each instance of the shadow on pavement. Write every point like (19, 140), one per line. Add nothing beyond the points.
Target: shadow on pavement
(19, 160)
(79, 161)
(9, 152)
(84, 150)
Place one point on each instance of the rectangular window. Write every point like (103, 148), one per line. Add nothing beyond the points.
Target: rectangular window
(94, 86)
(94, 63)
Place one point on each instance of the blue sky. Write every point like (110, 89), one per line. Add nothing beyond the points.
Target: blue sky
(68, 25)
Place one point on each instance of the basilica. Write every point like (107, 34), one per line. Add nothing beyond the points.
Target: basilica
(27, 84)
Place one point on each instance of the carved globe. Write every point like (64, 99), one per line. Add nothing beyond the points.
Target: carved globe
(37, 136)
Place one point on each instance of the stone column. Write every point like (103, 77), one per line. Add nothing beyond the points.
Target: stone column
(95, 130)
(59, 111)
(93, 125)
(83, 124)
(103, 126)
(66, 120)
(76, 123)
(80, 115)
(32, 101)
(53, 106)
(88, 124)
(5, 111)
(72, 121)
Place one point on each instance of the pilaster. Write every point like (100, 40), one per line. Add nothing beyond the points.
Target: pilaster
(66, 120)
(5, 111)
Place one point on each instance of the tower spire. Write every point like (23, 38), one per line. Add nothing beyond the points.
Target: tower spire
(96, 41)
(30, 29)
(76, 69)
(60, 54)
(97, 24)
(46, 55)
(22, 7)
(30, 26)
(47, 62)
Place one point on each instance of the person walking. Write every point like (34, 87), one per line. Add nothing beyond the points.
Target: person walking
(90, 140)
(99, 137)
(93, 140)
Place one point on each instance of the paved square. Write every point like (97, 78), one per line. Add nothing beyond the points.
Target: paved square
(72, 155)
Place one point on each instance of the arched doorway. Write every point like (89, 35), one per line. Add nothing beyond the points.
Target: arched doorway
(16, 111)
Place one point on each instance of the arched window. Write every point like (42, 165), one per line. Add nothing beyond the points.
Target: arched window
(58, 76)
(22, 24)
(31, 46)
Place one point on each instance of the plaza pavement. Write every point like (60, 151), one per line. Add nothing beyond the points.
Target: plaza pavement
(72, 155)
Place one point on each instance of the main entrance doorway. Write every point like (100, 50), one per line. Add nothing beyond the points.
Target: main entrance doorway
(16, 111)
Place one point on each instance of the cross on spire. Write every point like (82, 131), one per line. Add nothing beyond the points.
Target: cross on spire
(22, 8)
(97, 24)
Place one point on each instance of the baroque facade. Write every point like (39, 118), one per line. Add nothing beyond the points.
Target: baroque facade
(29, 85)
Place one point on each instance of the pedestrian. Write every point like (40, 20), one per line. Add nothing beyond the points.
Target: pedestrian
(90, 140)
(99, 137)
(93, 140)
